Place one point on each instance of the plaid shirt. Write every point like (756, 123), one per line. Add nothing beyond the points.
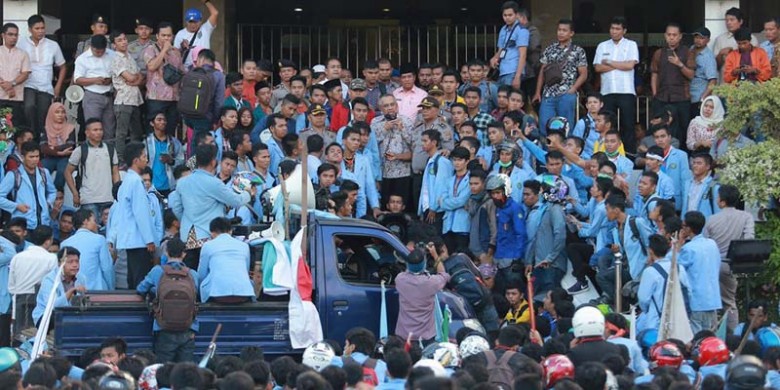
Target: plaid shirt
(482, 120)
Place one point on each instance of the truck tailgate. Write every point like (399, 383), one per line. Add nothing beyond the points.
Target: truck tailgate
(264, 324)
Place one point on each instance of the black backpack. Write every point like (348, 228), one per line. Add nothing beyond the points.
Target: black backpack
(197, 93)
(465, 280)
(635, 234)
(80, 173)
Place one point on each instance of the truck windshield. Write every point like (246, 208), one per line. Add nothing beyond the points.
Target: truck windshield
(366, 260)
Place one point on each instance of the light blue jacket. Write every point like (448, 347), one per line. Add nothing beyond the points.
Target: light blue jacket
(219, 140)
(546, 229)
(677, 168)
(432, 182)
(157, 215)
(637, 361)
(518, 176)
(632, 247)
(368, 196)
(453, 202)
(95, 260)
(701, 258)
(224, 269)
(643, 207)
(152, 281)
(624, 165)
(718, 370)
(61, 300)
(201, 197)
(597, 227)
(134, 213)
(46, 195)
(708, 201)
(593, 136)
(371, 151)
(7, 252)
(665, 187)
(582, 181)
(651, 293)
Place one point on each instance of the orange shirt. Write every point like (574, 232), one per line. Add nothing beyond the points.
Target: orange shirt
(249, 91)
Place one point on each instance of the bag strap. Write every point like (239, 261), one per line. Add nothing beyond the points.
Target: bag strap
(370, 363)
(505, 358)
(189, 47)
(491, 358)
(635, 234)
(661, 271)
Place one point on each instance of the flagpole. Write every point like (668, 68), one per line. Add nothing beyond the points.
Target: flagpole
(43, 325)
(618, 281)
(666, 324)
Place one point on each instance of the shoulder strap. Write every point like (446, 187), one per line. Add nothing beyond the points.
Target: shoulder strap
(382, 88)
(110, 154)
(490, 356)
(586, 133)
(505, 358)
(661, 271)
(84, 154)
(436, 164)
(45, 181)
(635, 233)
(651, 200)
(708, 194)
(17, 183)
(370, 363)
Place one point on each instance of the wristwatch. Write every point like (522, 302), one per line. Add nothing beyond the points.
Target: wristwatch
(13, 83)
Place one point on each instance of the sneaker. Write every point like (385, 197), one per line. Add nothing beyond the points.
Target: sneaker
(578, 287)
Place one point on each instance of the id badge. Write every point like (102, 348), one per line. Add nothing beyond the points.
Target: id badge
(502, 54)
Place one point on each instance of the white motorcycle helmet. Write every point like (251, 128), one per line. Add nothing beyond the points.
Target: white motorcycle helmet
(588, 321)
(318, 356)
(436, 367)
(446, 354)
(473, 345)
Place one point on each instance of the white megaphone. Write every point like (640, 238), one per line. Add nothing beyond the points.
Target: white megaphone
(276, 231)
(293, 184)
(74, 94)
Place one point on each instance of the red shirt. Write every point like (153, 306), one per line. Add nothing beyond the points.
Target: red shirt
(341, 115)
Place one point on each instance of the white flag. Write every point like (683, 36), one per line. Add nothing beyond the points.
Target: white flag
(674, 318)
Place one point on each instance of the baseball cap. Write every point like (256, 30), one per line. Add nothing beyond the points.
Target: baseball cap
(429, 102)
(193, 15)
(144, 21)
(319, 68)
(703, 31)
(316, 109)
(357, 84)
(435, 90)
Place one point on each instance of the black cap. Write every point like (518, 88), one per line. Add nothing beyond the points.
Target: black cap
(331, 84)
(429, 102)
(286, 64)
(408, 68)
(232, 77)
(316, 109)
(144, 21)
(703, 31)
(98, 18)
(265, 66)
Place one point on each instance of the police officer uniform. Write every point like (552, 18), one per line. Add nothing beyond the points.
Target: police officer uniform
(136, 48)
(281, 90)
(84, 45)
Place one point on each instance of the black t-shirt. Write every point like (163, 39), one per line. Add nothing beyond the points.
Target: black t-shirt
(594, 351)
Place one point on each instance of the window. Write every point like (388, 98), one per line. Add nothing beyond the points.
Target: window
(367, 260)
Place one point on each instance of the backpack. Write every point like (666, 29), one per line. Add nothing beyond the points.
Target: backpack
(83, 162)
(499, 372)
(197, 92)
(708, 195)
(665, 275)
(174, 307)
(464, 280)
(369, 372)
(6, 216)
(635, 234)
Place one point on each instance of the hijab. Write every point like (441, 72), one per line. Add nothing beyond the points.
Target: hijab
(717, 111)
(57, 133)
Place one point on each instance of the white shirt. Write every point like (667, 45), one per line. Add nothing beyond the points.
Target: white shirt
(89, 66)
(617, 81)
(28, 268)
(43, 58)
(202, 40)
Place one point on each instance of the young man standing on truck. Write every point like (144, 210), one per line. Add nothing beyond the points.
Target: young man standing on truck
(416, 296)
(171, 346)
(71, 284)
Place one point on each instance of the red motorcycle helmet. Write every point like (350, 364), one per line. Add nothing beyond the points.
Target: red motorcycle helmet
(711, 351)
(665, 354)
(557, 367)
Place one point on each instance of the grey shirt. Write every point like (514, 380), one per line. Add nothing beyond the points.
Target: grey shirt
(727, 225)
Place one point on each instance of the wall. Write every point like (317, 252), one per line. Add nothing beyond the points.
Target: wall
(224, 39)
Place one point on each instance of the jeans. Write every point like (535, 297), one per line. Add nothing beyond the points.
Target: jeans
(606, 280)
(174, 347)
(563, 105)
(506, 79)
(703, 320)
(508, 275)
(128, 123)
(728, 294)
(57, 164)
(154, 107)
(25, 304)
(100, 106)
(36, 106)
(545, 279)
(199, 126)
(626, 103)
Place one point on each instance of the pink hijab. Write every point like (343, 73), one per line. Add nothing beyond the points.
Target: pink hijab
(57, 133)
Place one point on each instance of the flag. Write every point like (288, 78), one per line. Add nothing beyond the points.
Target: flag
(439, 319)
(445, 324)
(674, 318)
(722, 330)
(632, 322)
(383, 314)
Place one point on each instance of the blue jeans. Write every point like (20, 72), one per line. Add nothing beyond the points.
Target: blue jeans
(174, 346)
(545, 279)
(563, 105)
(57, 164)
(506, 79)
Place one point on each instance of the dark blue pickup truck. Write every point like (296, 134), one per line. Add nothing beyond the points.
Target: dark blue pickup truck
(348, 258)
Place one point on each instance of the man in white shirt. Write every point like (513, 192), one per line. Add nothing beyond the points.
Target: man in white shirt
(194, 25)
(25, 273)
(45, 55)
(93, 72)
(725, 43)
(615, 60)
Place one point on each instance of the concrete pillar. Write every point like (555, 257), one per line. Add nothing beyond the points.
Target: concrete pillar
(545, 15)
(714, 15)
(224, 38)
(18, 12)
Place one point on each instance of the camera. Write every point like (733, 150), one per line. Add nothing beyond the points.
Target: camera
(391, 117)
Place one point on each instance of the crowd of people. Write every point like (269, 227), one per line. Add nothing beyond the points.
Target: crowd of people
(484, 171)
